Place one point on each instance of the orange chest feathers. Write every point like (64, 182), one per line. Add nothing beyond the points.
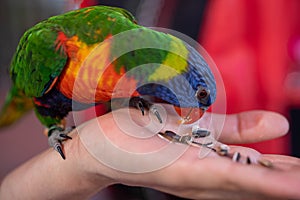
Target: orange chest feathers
(90, 76)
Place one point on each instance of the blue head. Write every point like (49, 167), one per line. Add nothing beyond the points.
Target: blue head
(194, 88)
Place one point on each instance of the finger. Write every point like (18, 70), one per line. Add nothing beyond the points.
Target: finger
(282, 158)
(245, 127)
(253, 126)
(198, 177)
(276, 183)
(287, 163)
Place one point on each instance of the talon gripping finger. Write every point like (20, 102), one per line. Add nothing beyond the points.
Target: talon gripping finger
(58, 148)
(156, 113)
(65, 136)
(141, 107)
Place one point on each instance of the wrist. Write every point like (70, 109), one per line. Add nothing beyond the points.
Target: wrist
(87, 167)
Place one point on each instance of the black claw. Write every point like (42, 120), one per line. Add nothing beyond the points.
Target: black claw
(139, 103)
(143, 104)
(141, 107)
(60, 151)
(156, 113)
(65, 136)
(153, 109)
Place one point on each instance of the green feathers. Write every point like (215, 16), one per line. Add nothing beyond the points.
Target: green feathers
(36, 62)
(41, 54)
(53, 45)
(16, 104)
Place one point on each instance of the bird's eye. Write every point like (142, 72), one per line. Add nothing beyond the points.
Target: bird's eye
(201, 94)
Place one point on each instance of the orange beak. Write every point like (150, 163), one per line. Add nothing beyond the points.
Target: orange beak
(189, 115)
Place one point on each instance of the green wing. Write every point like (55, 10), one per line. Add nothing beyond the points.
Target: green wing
(152, 51)
(38, 61)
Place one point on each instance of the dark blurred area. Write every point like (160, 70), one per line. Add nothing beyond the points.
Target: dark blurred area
(255, 44)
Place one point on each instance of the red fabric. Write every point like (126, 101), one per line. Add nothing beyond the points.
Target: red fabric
(87, 3)
(248, 41)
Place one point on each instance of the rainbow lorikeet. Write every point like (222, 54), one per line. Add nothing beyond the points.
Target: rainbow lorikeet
(51, 55)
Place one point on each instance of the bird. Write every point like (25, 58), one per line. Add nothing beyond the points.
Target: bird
(98, 55)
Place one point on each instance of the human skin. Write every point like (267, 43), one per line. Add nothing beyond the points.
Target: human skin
(47, 176)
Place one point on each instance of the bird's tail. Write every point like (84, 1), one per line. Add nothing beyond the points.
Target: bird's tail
(15, 106)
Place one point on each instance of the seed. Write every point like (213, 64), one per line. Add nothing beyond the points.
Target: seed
(236, 156)
(198, 132)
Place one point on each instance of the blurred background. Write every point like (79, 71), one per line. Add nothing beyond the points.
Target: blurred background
(20, 142)
(255, 44)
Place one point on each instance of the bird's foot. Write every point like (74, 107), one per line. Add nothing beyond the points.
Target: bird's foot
(142, 104)
(56, 135)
